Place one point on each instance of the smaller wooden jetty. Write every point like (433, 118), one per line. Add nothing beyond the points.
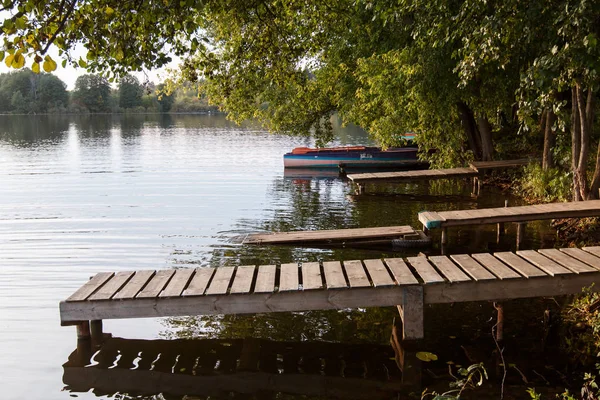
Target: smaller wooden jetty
(474, 170)
(501, 215)
(334, 236)
(408, 283)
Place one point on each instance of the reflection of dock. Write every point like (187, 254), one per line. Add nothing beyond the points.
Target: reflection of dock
(211, 367)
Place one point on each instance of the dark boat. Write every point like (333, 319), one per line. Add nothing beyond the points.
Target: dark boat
(353, 157)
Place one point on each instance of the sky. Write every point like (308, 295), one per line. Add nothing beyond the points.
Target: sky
(69, 74)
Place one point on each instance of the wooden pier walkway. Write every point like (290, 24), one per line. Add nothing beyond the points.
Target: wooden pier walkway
(331, 236)
(501, 215)
(222, 367)
(408, 283)
(474, 170)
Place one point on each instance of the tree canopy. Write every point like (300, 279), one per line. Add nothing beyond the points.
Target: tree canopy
(475, 78)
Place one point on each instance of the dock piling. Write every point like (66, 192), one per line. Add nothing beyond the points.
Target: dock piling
(83, 330)
(411, 313)
(520, 234)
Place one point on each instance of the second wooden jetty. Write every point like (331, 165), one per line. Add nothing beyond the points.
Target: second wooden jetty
(473, 171)
(333, 236)
(501, 215)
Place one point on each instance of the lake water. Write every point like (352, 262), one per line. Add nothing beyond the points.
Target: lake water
(79, 195)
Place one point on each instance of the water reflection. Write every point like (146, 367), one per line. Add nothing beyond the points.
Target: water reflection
(233, 368)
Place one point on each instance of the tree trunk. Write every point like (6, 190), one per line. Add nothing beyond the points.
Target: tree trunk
(581, 171)
(468, 123)
(549, 139)
(575, 143)
(485, 131)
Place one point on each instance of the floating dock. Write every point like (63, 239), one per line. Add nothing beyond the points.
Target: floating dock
(501, 215)
(408, 283)
(334, 236)
(473, 171)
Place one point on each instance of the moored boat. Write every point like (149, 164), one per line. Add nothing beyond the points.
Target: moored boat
(352, 157)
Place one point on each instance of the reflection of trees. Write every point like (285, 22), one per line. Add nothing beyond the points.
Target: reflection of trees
(27, 129)
(372, 325)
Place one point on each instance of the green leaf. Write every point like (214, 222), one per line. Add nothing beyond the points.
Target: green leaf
(82, 63)
(35, 67)
(1, 56)
(21, 23)
(109, 11)
(9, 60)
(18, 61)
(49, 64)
(426, 356)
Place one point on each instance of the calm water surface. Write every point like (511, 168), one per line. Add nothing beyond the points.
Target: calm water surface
(79, 195)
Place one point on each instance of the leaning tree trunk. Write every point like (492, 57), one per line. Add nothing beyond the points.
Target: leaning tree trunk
(575, 143)
(468, 123)
(582, 123)
(549, 139)
(485, 131)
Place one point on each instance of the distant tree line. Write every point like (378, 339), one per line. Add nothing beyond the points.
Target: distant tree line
(26, 92)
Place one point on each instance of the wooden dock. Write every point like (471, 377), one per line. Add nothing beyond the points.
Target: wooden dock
(334, 236)
(408, 283)
(501, 215)
(217, 367)
(473, 171)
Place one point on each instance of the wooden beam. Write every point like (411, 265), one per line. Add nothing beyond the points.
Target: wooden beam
(545, 286)
(232, 304)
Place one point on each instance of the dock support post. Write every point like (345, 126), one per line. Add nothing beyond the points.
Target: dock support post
(499, 322)
(474, 191)
(444, 236)
(360, 189)
(411, 313)
(83, 330)
(520, 234)
(500, 225)
(96, 330)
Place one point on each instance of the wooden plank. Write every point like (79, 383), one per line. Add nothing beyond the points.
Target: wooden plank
(110, 288)
(334, 276)
(178, 282)
(199, 282)
(156, 284)
(265, 280)
(583, 256)
(472, 267)
(565, 260)
(135, 284)
(595, 250)
(90, 286)
(519, 265)
(430, 219)
(401, 272)
(311, 276)
(379, 273)
(427, 273)
(242, 282)
(357, 277)
(543, 263)
(220, 281)
(329, 235)
(449, 269)
(495, 266)
(289, 277)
